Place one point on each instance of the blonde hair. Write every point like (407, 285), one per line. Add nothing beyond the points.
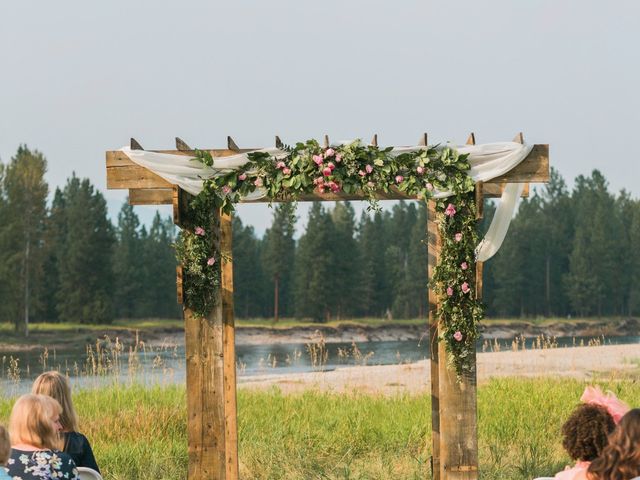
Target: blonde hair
(31, 422)
(56, 386)
(5, 445)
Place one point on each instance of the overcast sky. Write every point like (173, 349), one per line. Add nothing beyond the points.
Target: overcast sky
(78, 78)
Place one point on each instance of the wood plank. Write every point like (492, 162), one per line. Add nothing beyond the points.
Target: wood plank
(150, 196)
(533, 169)
(229, 350)
(458, 422)
(205, 386)
(434, 246)
(494, 190)
(123, 173)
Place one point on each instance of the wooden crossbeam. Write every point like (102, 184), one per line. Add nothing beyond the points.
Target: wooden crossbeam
(163, 196)
(122, 173)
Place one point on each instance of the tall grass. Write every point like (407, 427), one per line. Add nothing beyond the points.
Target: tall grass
(140, 433)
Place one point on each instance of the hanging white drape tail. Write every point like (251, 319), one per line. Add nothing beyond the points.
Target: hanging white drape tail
(488, 161)
(505, 209)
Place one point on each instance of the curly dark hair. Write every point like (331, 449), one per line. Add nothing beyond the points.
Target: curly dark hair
(585, 433)
(620, 460)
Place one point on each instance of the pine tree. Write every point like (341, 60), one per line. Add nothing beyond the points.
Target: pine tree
(633, 260)
(159, 267)
(345, 267)
(249, 294)
(128, 265)
(25, 210)
(278, 253)
(374, 294)
(313, 266)
(84, 266)
(55, 238)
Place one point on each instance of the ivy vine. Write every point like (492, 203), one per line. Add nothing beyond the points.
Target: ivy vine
(351, 168)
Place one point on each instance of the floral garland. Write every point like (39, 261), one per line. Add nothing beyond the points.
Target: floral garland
(351, 168)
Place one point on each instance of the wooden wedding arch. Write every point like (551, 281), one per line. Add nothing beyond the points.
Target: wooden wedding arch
(210, 341)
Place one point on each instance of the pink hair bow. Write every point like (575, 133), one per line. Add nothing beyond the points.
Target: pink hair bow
(616, 407)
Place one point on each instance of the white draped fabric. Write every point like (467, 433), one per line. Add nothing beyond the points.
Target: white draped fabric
(487, 161)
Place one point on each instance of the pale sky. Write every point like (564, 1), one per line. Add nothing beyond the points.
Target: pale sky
(78, 78)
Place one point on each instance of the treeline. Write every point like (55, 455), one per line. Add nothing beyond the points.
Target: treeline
(68, 262)
(567, 253)
(341, 266)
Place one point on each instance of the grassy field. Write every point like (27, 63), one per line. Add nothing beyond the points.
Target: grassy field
(139, 433)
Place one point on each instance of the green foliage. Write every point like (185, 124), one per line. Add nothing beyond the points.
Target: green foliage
(352, 168)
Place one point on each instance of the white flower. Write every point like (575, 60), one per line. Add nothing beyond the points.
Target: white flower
(23, 459)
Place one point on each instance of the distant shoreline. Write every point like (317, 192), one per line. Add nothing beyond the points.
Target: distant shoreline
(350, 331)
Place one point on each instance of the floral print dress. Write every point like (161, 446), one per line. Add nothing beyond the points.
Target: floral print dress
(41, 465)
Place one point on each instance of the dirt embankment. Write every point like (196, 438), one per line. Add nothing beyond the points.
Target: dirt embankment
(390, 332)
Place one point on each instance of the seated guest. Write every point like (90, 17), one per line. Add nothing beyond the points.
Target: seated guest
(56, 386)
(5, 451)
(34, 427)
(585, 433)
(620, 460)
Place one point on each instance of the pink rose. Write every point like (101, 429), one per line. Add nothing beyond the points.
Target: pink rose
(458, 336)
(242, 177)
(450, 211)
(318, 159)
(449, 291)
(280, 165)
(286, 171)
(369, 168)
(429, 186)
(465, 288)
(258, 182)
(361, 173)
(326, 171)
(333, 186)
(321, 188)
(464, 265)
(318, 181)
(211, 261)
(370, 184)
(226, 189)
(399, 178)
(420, 170)
(338, 158)
(331, 166)
(329, 152)
(199, 231)
(458, 237)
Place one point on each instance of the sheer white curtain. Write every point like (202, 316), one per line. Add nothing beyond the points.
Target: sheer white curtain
(487, 161)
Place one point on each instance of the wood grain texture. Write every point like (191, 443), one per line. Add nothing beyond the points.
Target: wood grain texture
(123, 173)
(434, 244)
(229, 350)
(150, 196)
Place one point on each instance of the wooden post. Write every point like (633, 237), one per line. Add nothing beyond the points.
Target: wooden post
(211, 376)
(458, 415)
(434, 245)
(229, 350)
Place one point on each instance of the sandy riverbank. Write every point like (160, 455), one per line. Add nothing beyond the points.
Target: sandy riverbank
(586, 363)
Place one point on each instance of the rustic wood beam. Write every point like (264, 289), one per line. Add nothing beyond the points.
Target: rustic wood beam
(326, 141)
(434, 244)
(231, 145)
(182, 145)
(278, 142)
(150, 196)
(122, 173)
(374, 140)
(229, 350)
(424, 141)
(135, 145)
